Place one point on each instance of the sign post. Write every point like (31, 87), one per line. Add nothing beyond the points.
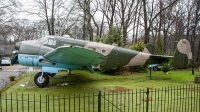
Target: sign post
(192, 41)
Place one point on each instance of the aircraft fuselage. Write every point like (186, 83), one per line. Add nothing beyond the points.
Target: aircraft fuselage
(113, 56)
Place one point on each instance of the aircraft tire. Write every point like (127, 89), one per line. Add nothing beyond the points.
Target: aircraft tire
(41, 81)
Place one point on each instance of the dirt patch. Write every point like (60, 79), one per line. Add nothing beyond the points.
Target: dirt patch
(116, 89)
(147, 99)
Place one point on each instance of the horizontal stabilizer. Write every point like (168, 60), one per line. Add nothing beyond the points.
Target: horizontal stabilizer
(161, 56)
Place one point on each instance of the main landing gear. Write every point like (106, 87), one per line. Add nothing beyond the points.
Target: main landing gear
(41, 79)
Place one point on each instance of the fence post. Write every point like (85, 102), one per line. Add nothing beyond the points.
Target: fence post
(0, 103)
(147, 104)
(99, 101)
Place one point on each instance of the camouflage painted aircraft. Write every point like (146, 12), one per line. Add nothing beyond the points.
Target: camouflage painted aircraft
(55, 53)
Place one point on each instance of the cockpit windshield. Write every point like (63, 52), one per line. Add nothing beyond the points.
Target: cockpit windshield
(48, 41)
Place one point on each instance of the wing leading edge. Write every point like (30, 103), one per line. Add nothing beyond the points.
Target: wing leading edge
(75, 56)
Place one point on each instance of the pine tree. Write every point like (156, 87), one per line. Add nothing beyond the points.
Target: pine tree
(114, 36)
(160, 45)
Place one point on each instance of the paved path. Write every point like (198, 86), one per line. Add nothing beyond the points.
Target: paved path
(15, 70)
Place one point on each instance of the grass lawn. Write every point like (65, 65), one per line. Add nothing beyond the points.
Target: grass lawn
(83, 81)
(79, 92)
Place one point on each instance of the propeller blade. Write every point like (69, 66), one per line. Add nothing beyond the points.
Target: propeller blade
(14, 59)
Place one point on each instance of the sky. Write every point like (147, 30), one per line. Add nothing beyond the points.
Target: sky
(26, 5)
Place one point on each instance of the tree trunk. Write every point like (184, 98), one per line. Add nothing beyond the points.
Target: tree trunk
(52, 18)
(101, 28)
(134, 24)
(47, 19)
(146, 28)
(112, 13)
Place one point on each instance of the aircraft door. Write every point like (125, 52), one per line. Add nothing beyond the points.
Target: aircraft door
(104, 62)
(103, 52)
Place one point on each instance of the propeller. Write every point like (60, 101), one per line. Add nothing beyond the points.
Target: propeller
(14, 59)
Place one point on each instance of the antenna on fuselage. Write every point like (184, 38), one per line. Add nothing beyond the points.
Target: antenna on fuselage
(67, 36)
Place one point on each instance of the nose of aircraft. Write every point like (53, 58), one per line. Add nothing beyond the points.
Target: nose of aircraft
(17, 45)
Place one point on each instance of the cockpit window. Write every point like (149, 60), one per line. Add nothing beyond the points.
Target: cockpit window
(51, 42)
(48, 41)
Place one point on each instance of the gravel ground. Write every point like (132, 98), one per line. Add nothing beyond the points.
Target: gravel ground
(15, 70)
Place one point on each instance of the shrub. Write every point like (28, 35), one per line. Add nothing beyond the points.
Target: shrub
(110, 71)
(160, 45)
(141, 68)
(113, 36)
(171, 61)
(139, 47)
(166, 68)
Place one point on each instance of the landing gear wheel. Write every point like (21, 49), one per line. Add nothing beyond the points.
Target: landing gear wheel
(41, 79)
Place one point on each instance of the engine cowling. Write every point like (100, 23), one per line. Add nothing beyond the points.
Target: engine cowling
(29, 60)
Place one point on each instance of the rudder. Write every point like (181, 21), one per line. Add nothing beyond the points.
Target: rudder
(183, 54)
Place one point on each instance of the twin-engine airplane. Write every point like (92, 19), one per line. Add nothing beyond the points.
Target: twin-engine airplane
(55, 53)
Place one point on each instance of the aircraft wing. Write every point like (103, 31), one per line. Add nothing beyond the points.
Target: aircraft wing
(75, 56)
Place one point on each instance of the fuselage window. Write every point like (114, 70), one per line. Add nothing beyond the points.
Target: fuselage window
(116, 53)
(103, 51)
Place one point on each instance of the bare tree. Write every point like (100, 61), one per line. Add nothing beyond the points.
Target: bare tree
(196, 23)
(109, 11)
(149, 19)
(136, 21)
(84, 6)
(48, 10)
(8, 8)
(126, 13)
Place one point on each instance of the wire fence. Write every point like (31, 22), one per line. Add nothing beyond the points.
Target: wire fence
(184, 98)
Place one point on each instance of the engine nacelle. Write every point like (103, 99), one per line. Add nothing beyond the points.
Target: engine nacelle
(33, 60)
(29, 60)
(47, 66)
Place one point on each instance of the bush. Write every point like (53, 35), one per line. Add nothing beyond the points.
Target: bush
(114, 36)
(110, 71)
(160, 45)
(166, 68)
(139, 47)
(141, 68)
(171, 61)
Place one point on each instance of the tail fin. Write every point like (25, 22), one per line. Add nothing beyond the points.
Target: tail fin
(183, 54)
(149, 48)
